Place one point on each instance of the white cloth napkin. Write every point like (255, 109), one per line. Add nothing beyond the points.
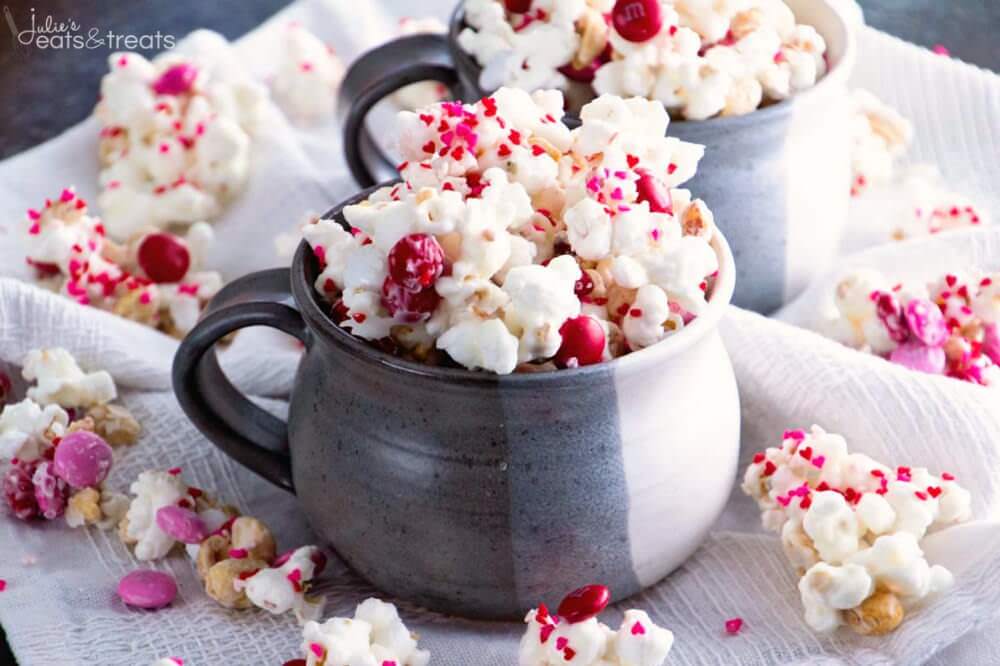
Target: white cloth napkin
(59, 605)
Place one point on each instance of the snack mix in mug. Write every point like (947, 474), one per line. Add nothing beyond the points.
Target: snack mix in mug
(515, 243)
(700, 58)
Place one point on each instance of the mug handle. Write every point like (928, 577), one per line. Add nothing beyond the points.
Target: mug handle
(242, 430)
(376, 75)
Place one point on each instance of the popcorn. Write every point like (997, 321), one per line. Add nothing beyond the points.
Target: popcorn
(152, 490)
(423, 93)
(879, 135)
(945, 328)
(59, 380)
(176, 132)
(374, 636)
(575, 635)
(309, 73)
(699, 58)
(282, 587)
(155, 278)
(852, 527)
(509, 226)
(27, 429)
(91, 506)
(931, 207)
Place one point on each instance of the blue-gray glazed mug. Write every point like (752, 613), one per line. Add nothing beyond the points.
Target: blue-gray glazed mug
(468, 492)
(778, 180)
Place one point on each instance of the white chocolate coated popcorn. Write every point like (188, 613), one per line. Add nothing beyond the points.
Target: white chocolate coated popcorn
(152, 491)
(24, 427)
(852, 527)
(502, 210)
(552, 641)
(308, 75)
(880, 135)
(931, 207)
(282, 588)
(700, 58)
(176, 136)
(373, 637)
(941, 328)
(59, 380)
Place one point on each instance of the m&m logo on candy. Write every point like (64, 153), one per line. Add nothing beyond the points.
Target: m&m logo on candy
(637, 20)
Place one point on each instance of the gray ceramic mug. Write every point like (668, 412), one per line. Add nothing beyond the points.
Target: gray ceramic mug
(777, 179)
(472, 493)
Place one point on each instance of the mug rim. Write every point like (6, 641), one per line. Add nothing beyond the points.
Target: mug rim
(466, 65)
(309, 302)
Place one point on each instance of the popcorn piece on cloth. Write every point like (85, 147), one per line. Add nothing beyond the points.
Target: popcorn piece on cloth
(375, 635)
(155, 278)
(880, 136)
(698, 58)
(931, 207)
(99, 507)
(176, 135)
(152, 491)
(27, 429)
(59, 380)
(576, 636)
(944, 328)
(508, 225)
(852, 527)
(283, 586)
(308, 75)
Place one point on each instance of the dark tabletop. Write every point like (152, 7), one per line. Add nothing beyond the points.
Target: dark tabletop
(42, 92)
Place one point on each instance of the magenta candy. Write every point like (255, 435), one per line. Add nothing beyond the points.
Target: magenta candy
(51, 492)
(82, 459)
(926, 322)
(182, 524)
(583, 342)
(890, 312)
(991, 343)
(177, 80)
(637, 20)
(584, 603)
(147, 589)
(919, 357)
(651, 189)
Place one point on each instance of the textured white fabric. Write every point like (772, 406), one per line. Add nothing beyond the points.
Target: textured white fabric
(59, 605)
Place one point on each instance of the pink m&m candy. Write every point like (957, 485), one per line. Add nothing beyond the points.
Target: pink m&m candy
(926, 323)
(991, 342)
(147, 589)
(637, 20)
(177, 80)
(921, 358)
(584, 603)
(82, 459)
(182, 524)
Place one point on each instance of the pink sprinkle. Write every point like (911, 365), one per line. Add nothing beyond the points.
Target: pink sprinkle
(67, 195)
(561, 642)
(801, 491)
(948, 477)
(734, 625)
(655, 233)
(783, 501)
(317, 650)
(594, 184)
(3, 585)
(145, 298)
(164, 148)
(388, 662)
(818, 461)
(794, 434)
(638, 629)
(33, 214)
(35, 229)
(189, 289)
(238, 553)
(941, 50)
(625, 209)
(122, 61)
(306, 66)
(174, 471)
(616, 194)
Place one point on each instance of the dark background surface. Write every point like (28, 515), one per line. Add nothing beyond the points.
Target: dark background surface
(45, 92)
